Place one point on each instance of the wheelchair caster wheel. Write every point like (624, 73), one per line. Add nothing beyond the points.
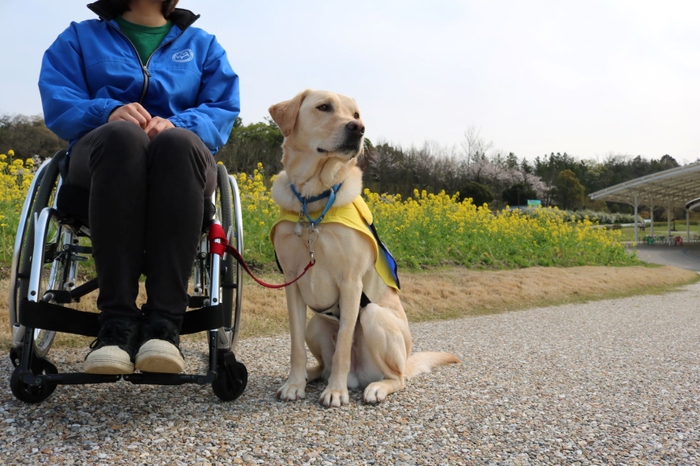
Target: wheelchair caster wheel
(232, 378)
(29, 393)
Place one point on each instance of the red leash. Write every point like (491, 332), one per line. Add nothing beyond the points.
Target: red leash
(216, 232)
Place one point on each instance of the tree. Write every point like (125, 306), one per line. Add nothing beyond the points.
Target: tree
(568, 191)
(384, 168)
(668, 162)
(28, 136)
(479, 193)
(511, 161)
(250, 144)
(474, 147)
(518, 194)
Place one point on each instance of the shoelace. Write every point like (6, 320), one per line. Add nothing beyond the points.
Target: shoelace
(112, 333)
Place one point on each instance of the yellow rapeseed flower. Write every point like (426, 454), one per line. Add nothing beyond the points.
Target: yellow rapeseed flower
(438, 228)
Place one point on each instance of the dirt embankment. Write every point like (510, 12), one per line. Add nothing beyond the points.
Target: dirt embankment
(456, 292)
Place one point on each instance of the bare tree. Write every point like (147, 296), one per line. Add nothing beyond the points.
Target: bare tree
(474, 147)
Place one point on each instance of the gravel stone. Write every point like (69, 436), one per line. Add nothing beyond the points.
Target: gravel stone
(607, 382)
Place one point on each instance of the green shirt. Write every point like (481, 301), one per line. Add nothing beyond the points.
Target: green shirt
(146, 39)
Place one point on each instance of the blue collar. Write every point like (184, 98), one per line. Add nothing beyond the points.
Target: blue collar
(330, 194)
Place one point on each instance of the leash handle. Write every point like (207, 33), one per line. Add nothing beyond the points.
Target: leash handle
(218, 244)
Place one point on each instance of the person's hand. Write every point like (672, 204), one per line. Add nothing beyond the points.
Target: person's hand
(133, 112)
(156, 126)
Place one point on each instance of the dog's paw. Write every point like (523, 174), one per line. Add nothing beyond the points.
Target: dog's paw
(375, 393)
(334, 398)
(291, 392)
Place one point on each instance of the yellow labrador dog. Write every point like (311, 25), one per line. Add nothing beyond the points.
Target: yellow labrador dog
(359, 333)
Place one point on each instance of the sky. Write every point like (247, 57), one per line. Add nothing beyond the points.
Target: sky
(592, 79)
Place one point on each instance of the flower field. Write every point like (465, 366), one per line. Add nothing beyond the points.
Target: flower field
(426, 230)
(15, 178)
(430, 230)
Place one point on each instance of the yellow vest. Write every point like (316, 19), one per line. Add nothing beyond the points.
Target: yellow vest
(358, 217)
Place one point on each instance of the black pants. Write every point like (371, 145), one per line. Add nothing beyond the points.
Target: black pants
(145, 212)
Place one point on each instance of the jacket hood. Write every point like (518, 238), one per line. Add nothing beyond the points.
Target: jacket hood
(180, 17)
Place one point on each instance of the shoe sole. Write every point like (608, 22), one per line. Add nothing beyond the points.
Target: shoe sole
(108, 361)
(159, 356)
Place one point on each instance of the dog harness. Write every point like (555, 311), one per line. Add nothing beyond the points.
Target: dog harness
(357, 216)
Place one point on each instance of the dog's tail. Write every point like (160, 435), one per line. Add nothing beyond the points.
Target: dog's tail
(421, 363)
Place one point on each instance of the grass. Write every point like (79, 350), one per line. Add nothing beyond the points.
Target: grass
(627, 233)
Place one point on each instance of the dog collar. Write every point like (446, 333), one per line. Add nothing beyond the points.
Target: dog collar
(305, 201)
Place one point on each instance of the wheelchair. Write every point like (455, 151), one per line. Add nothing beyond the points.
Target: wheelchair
(51, 273)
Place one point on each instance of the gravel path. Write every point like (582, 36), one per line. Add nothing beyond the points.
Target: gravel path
(611, 382)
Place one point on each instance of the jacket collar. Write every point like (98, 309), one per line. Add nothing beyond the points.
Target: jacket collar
(180, 17)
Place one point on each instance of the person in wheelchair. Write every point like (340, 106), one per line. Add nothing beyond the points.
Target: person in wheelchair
(145, 100)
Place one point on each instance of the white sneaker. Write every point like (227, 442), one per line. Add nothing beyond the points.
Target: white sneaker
(108, 360)
(160, 356)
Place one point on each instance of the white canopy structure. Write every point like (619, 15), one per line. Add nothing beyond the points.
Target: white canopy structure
(677, 187)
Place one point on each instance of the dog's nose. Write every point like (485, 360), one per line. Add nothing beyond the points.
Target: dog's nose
(355, 127)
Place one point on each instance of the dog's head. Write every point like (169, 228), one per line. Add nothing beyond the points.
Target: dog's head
(322, 123)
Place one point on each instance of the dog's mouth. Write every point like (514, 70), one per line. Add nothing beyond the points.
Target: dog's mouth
(353, 151)
(351, 146)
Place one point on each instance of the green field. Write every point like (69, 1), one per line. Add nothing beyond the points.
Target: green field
(661, 229)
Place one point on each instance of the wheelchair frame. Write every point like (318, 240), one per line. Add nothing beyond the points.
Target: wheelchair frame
(45, 276)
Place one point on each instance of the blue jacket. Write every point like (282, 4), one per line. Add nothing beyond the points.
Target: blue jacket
(92, 68)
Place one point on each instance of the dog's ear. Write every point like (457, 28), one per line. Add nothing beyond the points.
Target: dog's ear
(284, 114)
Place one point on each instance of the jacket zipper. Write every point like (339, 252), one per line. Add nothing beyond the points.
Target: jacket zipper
(146, 81)
(144, 68)
(146, 73)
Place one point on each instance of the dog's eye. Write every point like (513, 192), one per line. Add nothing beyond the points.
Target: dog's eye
(357, 116)
(324, 108)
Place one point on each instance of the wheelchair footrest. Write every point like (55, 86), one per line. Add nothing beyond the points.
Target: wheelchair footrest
(170, 379)
(69, 378)
(79, 378)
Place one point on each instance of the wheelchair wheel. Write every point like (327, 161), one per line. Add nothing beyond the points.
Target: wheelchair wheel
(228, 213)
(18, 273)
(29, 393)
(54, 265)
(232, 377)
(41, 194)
(237, 277)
